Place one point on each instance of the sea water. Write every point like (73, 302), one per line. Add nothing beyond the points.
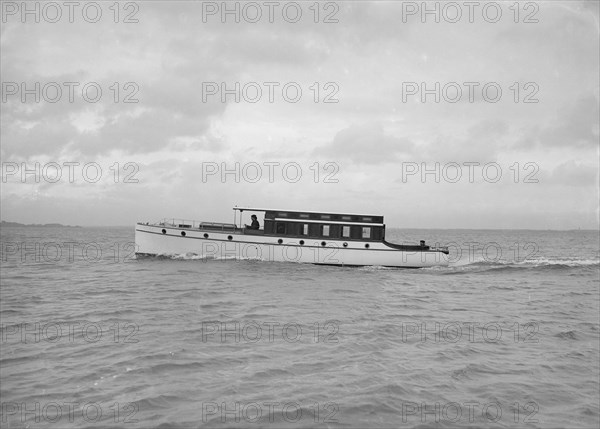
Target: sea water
(506, 336)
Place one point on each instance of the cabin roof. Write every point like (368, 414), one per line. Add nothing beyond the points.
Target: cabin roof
(303, 211)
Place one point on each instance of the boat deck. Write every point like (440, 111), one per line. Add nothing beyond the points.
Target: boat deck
(207, 226)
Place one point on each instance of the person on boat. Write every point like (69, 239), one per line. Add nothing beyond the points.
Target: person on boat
(255, 224)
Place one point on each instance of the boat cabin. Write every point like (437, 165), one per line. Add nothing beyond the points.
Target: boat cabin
(341, 226)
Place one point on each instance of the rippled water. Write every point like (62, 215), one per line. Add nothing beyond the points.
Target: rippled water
(507, 336)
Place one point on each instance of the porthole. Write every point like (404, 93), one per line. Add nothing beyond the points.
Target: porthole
(301, 242)
(280, 241)
(205, 235)
(183, 233)
(367, 245)
(323, 244)
(164, 231)
(345, 244)
(229, 237)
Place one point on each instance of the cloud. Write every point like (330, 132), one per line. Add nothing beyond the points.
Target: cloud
(575, 173)
(365, 143)
(574, 126)
(482, 143)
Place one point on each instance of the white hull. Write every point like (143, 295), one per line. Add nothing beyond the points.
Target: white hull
(150, 240)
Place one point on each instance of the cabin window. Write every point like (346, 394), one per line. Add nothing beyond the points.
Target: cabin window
(325, 217)
(304, 229)
(280, 227)
(325, 230)
(366, 232)
(367, 219)
(303, 216)
(345, 231)
(346, 217)
(282, 214)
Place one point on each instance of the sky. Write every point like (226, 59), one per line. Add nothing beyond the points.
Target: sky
(435, 115)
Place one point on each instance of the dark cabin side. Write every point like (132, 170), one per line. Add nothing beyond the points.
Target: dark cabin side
(324, 225)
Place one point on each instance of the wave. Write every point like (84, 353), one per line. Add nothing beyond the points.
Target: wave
(562, 262)
(542, 263)
(567, 335)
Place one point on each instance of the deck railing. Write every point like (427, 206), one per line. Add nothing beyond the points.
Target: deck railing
(196, 224)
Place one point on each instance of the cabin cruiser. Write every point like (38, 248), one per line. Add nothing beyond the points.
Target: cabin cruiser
(287, 236)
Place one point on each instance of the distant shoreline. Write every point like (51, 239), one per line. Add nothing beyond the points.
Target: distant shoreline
(45, 225)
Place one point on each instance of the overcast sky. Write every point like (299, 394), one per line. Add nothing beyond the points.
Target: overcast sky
(341, 101)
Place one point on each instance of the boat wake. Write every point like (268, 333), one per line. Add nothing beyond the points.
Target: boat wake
(477, 265)
(541, 263)
(197, 257)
